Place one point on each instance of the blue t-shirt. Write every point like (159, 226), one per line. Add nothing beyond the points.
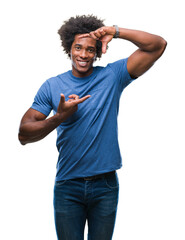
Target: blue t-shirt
(88, 140)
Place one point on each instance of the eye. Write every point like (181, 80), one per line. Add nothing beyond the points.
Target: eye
(77, 48)
(91, 50)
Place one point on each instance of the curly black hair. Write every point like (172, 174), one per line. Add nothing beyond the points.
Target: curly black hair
(79, 25)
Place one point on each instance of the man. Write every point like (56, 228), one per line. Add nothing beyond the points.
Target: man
(85, 102)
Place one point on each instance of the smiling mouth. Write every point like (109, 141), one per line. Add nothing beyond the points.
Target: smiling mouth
(82, 63)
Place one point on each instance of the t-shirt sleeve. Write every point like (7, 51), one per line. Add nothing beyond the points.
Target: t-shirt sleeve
(120, 70)
(42, 101)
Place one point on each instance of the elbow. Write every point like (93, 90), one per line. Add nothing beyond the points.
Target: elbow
(160, 47)
(163, 45)
(22, 139)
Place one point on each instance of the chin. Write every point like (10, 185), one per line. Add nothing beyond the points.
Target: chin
(83, 70)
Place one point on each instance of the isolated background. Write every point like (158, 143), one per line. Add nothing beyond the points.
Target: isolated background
(151, 118)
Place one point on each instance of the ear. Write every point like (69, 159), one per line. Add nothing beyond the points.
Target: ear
(95, 57)
(69, 54)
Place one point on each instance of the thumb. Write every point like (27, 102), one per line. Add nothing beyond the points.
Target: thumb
(104, 47)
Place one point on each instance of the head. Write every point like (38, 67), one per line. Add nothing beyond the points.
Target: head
(72, 43)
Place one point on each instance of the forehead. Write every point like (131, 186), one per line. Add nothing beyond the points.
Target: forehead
(85, 41)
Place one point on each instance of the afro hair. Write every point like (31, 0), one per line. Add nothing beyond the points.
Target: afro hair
(79, 25)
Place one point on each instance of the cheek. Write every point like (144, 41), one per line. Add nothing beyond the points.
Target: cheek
(73, 59)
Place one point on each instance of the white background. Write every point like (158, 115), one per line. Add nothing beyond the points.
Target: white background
(151, 118)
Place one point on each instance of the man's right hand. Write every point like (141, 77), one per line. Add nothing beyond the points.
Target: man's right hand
(34, 126)
(67, 108)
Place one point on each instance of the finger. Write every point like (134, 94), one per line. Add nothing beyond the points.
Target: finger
(104, 47)
(62, 98)
(83, 99)
(92, 35)
(102, 32)
(98, 34)
(84, 35)
(74, 96)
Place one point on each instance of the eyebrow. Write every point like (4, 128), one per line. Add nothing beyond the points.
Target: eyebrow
(77, 44)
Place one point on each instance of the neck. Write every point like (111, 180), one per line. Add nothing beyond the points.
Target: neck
(80, 74)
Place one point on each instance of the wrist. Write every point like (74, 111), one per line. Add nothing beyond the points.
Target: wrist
(58, 117)
(116, 34)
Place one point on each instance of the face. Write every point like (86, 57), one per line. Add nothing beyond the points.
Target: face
(83, 54)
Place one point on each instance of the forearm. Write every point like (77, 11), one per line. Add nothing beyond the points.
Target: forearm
(145, 41)
(34, 125)
(33, 131)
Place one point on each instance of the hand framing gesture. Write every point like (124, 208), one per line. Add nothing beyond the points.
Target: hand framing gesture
(67, 108)
(104, 34)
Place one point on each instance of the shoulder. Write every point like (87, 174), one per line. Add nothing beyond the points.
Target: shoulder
(113, 65)
(118, 63)
(55, 79)
(119, 67)
(120, 70)
(62, 75)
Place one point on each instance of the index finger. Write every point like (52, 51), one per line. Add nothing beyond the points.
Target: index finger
(84, 35)
(82, 99)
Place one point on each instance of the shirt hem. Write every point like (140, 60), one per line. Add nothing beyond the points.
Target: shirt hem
(87, 175)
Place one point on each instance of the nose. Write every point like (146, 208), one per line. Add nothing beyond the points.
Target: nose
(83, 53)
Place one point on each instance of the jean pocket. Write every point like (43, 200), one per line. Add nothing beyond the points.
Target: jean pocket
(112, 181)
(60, 183)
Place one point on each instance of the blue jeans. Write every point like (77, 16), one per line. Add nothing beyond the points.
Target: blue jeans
(78, 200)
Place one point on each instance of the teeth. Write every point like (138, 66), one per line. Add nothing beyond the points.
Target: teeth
(82, 63)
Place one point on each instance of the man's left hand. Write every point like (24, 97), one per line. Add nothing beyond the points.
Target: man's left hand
(104, 34)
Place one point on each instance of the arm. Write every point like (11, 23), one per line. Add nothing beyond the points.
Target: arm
(34, 125)
(150, 47)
